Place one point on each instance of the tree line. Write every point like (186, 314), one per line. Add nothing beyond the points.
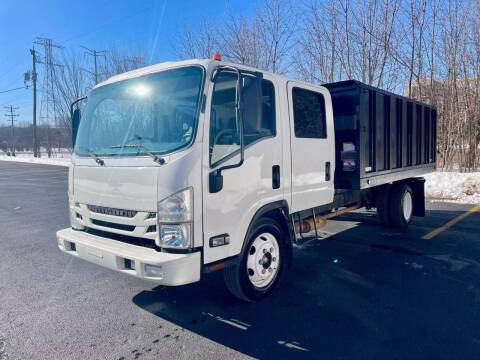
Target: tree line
(427, 50)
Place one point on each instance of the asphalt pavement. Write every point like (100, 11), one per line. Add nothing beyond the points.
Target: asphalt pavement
(362, 292)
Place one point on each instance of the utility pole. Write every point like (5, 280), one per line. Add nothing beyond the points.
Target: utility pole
(34, 80)
(12, 117)
(94, 53)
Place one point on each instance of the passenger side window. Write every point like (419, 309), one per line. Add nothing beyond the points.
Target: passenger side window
(259, 110)
(309, 114)
(258, 114)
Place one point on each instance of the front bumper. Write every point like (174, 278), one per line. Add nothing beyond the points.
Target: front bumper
(176, 269)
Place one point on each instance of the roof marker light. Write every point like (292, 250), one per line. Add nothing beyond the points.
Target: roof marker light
(217, 57)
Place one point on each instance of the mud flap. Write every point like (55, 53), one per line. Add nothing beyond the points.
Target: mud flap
(418, 188)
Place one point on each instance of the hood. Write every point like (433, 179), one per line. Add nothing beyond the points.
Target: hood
(136, 187)
(117, 187)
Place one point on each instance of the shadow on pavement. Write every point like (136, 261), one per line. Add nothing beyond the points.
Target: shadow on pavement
(388, 295)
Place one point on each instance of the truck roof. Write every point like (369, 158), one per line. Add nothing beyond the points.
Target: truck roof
(207, 63)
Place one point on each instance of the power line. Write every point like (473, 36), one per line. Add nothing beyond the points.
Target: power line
(5, 91)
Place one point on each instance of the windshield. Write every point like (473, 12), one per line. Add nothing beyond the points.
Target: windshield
(157, 111)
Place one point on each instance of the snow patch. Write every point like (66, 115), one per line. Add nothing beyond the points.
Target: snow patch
(453, 186)
(59, 161)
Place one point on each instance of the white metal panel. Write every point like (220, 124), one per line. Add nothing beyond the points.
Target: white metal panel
(309, 157)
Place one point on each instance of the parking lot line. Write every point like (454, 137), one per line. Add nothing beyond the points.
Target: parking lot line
(450, 223)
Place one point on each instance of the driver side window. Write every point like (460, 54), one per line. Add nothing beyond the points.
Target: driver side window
(258, 114)
(224, 138)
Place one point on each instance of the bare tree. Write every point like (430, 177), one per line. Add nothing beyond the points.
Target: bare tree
(240, 40)
(71, 83)
(349, 39)
(317, 49)
(199, 42)
(263, 41)
(277, 21)
(117, 62)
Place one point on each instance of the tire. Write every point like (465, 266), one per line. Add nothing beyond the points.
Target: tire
(401, 206)
(251, 279)
(383, 205)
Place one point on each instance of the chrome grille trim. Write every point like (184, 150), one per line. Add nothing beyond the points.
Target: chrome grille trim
(111, 211)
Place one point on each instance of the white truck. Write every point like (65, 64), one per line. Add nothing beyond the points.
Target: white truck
(188, 167)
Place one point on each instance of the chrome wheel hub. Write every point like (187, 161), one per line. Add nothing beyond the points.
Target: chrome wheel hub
(263, 260)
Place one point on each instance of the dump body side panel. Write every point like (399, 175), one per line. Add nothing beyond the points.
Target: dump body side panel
(380, 137)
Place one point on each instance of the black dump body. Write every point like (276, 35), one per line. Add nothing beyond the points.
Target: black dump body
(380, 137)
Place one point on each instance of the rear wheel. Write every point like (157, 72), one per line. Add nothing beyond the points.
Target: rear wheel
(262, 263)
(401, 205)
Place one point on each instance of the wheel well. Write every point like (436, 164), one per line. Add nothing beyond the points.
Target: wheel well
(277, 215)
(282, 219)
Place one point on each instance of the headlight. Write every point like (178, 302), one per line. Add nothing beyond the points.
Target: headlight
(175, 220)
(176, 236)
(176, 208)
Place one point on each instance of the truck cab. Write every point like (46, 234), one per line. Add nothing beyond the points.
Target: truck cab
(174, 163)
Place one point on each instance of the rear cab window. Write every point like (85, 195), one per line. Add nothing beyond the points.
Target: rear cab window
(309, 115)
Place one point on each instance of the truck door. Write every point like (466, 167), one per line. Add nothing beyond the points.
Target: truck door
(256, 181)
(312, 146)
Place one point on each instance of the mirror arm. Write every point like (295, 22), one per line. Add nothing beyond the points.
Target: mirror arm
(74, 103)
(75, 122)
(238, 109)
(215, 177)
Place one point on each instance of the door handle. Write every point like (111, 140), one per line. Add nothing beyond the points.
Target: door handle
(327, 171)
(275, 176)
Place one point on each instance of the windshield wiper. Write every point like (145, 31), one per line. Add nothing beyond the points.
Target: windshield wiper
(157, 159)
(93, 155)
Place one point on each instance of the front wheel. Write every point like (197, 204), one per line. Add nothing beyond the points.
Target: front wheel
(262, 263)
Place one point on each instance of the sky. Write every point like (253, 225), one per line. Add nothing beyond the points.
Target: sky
(96, 24)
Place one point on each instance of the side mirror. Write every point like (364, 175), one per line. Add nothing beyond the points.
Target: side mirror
(75, 116)
(75, 124)
(215, 180)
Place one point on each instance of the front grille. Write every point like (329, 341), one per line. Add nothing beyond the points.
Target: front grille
(133, 240)
(113, 225)
(111, 211)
